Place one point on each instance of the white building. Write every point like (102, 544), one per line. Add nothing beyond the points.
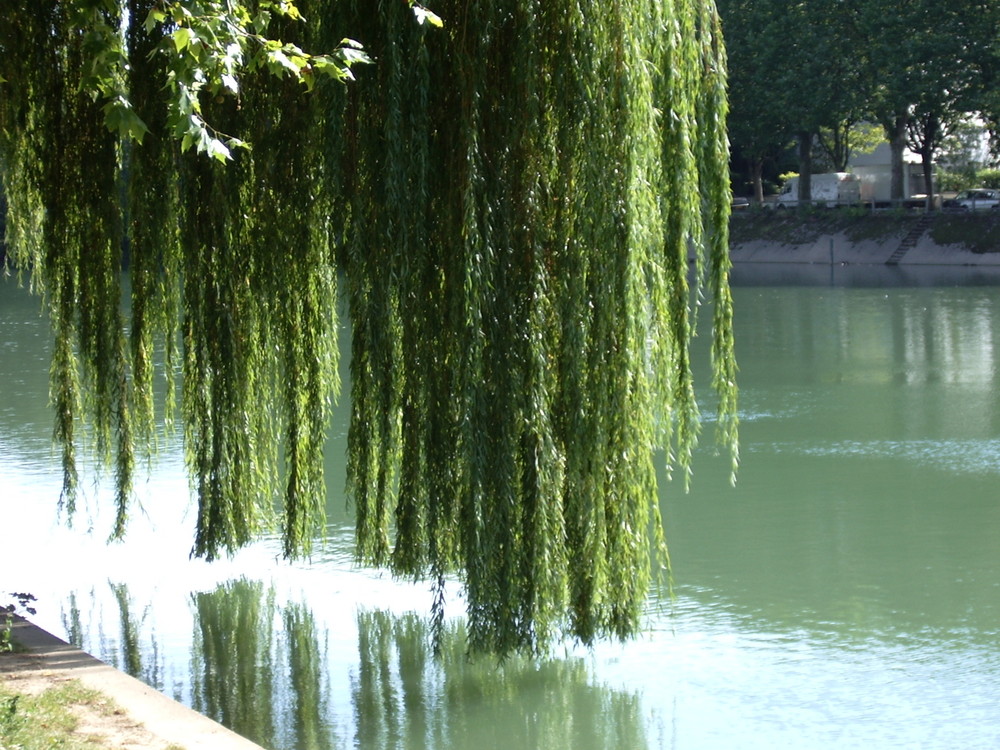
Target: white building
(874, 169)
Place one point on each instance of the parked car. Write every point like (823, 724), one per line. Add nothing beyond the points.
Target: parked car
(979, 199)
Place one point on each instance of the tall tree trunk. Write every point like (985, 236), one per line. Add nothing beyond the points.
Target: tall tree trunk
(757, 176)
(927, 159)
(930, 137)
(896, 134)
(805, 168)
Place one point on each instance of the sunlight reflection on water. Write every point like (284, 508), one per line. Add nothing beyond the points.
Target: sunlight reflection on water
(962, 456)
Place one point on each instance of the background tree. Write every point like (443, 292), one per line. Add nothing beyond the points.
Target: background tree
(981, 55)
(949, 83)
(915, 68)
(758, 128)
(840, 141)
(820, 84)
(795, 72)
(919, 84)
(511, 202)
(964, 154)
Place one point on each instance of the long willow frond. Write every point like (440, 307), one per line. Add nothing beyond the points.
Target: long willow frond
(512, 203)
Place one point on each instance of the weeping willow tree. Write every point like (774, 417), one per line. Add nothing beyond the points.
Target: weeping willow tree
(509, 203)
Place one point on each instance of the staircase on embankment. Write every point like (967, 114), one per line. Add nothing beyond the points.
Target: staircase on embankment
(910, 240)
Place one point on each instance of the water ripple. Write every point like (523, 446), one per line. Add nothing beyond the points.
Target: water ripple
(960, 456)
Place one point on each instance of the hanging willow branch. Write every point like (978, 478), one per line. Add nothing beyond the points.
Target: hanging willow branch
(512, 202)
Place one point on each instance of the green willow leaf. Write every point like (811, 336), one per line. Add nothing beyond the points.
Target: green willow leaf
(521, 208)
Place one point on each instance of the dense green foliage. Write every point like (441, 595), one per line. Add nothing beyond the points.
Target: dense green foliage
(974, 178)
(916, 68)
(510, 201)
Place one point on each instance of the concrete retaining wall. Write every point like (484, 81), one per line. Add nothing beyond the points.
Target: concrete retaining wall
(838, 249)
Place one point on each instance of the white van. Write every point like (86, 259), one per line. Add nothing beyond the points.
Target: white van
(828, 190)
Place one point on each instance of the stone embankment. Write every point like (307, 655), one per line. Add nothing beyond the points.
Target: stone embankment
(850, 237)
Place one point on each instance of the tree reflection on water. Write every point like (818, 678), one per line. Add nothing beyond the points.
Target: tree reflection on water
(404, 697)
(263, 668)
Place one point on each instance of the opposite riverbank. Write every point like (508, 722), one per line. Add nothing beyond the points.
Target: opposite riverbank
(848, 236)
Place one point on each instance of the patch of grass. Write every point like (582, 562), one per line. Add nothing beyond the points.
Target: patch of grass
(795, 227)
(980, 233)
(46, 721)
(881, 226)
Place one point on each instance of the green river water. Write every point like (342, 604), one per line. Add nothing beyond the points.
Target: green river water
(845, 594)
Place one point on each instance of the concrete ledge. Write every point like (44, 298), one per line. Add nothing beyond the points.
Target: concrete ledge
(163, 717)
(832, 249)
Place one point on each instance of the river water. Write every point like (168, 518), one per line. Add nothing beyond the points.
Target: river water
(845, 594)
